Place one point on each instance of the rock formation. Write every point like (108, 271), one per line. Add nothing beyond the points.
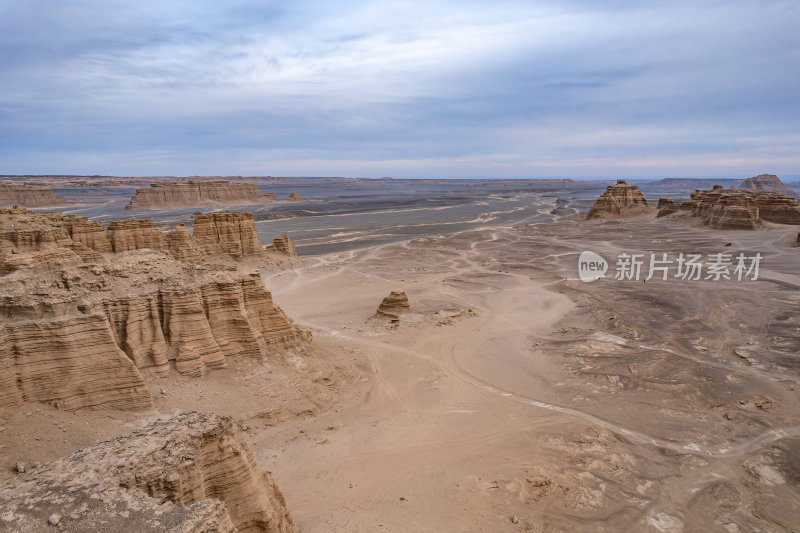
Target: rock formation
(737, 208)
(230, 233)
(135, 234)
(295, 197)
(82, 330)
(198, 193)
(27, 196)
(667, 206)
(283, 245)
(766, 182)
(619, 200)
(188, 473)
(394, 304)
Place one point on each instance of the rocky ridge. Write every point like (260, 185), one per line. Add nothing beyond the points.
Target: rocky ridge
(188, 473)
(198, 193)
(619, 200)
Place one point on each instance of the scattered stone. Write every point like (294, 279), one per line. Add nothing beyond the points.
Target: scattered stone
(54, 519)
(514, 520)
(20, 467)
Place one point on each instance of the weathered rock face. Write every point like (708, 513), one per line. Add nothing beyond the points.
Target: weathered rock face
(135, 234)
(229, 233)
(26, 196)
(766, 182)
(70, 363)
(777, 208)
(181, 245)
(394, 304)
(296, 197)
(198, 193)
(80, 330)
(738, 208)
(90, 234)
(618, 200)
(189, 473)
(283, 245)
(667, 206)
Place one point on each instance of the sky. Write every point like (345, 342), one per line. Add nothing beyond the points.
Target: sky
(440, 88)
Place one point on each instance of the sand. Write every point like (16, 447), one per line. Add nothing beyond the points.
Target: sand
(513, 397)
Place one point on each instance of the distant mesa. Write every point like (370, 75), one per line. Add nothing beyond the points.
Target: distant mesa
(27, 196)
(295, 197)
(735, 208)
(190, 472)
(766, 182)
(394, 304)
(198, 193)
(619, 200)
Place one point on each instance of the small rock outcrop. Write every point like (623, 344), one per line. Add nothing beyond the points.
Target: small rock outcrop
(619, 200)
(27, 196)
(667, 206)
(295, 197)
(394, 304)
(198, 193)
(283, 245)
(188, 473)
(766, 182)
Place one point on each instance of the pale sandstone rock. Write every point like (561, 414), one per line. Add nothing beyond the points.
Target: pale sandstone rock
(619, 200)
(135, 234)
(740, 208)
(189, 473)
(198, 193)
(296, 197)
(230, 233)
(181, 245)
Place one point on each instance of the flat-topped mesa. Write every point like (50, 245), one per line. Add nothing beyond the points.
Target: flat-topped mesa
(737, 208)
(198, 193)
(27, 196)
(226, 232)
(283, 245)
(190, 472)
(295, 197)
(766, 182)
(667, 206)
(619, 200)
(394, 304)
(135, 234)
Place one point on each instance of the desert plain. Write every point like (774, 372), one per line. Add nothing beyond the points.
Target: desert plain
(510, 395)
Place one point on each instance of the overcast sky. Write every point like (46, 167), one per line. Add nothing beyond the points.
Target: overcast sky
(406, 89)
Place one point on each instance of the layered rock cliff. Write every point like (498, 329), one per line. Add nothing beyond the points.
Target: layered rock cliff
(198, 193)
(135, 234)
(295, 197)
(27, 196)
(188, 473)
(229, 233)
(82, 330)
(722, 208)
(619, 200)
(766, 182)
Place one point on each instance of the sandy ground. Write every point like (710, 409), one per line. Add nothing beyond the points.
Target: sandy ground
(514, 397)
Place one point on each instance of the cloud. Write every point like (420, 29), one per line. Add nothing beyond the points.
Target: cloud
(399, 88)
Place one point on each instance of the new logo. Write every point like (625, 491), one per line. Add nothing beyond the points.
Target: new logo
(591, 266)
